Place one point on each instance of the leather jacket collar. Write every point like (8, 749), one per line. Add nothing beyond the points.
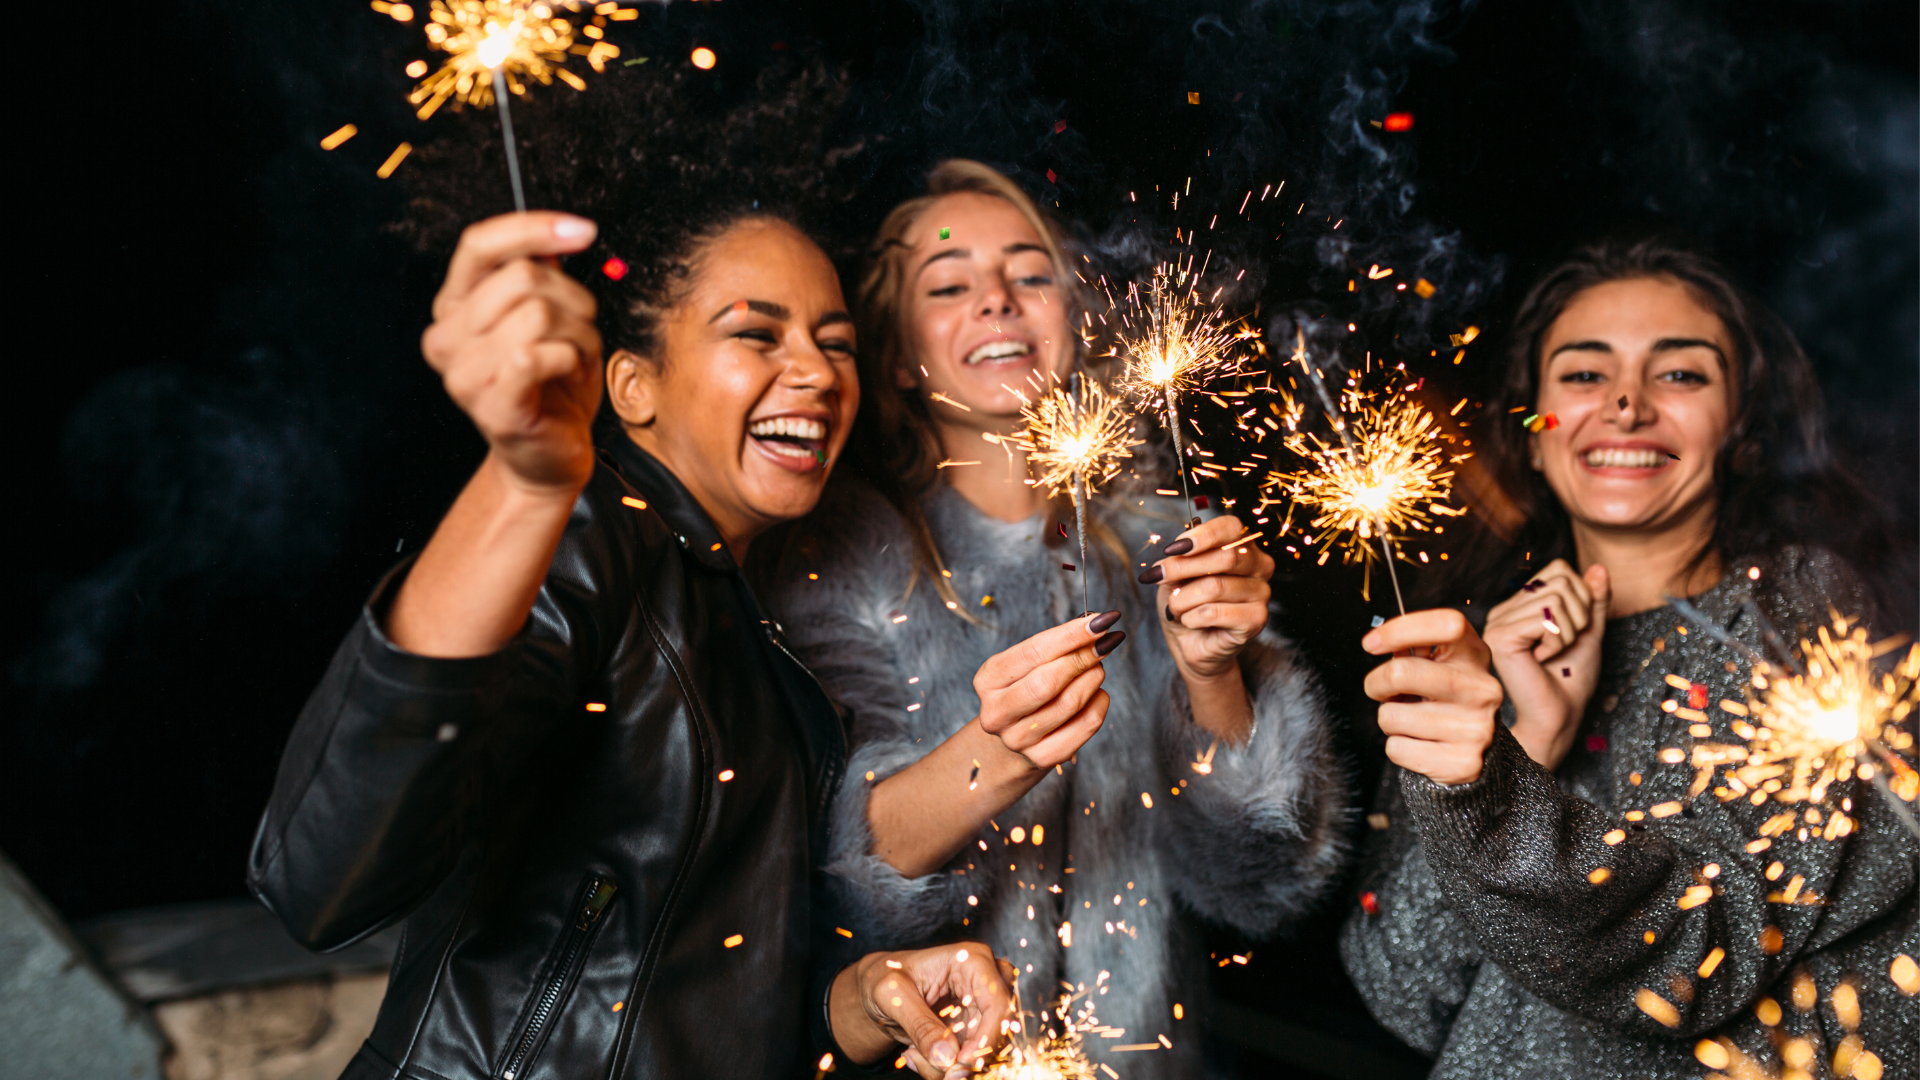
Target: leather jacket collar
(671, 500)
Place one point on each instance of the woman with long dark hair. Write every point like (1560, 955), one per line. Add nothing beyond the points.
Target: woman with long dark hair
(1551, 893)
(918, 596)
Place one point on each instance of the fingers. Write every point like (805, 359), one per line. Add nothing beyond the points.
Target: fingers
(1437, 721)
(1443, 763)
(1061, 642)
(1434, 681)
(1210, 549)
(1067, 739)
(966, 975)
(1020, 724)
(1217, 590)
(1599, 582)
(489, 244)
(1441, 629)
(508, 286)
(903, 1007)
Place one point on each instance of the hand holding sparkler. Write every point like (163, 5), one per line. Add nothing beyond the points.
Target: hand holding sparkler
(1214, 593)
(1438, 702)
(1545, 640)
(945, 1004)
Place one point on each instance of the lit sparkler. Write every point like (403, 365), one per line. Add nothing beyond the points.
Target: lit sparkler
(1078, 435)
(1052, 1053)
(1388, 473)
(1175, 342)
(1839, 716)
(497, 47)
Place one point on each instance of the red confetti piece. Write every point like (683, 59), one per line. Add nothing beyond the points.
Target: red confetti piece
(1059, 126)
(1062, 526)
(1050, 176)
(1369, 903)
(1596, 744)
(1696, 696)
(1399, 121)
(1068, 566)
(1552, 421)
(615, 268)
(1199, 502)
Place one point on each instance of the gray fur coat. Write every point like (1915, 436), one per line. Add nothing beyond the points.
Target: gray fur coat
(1126, 843)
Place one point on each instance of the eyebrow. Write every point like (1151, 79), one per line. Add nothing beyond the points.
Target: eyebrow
(764, 307)
(967, 253)
(1663, 345)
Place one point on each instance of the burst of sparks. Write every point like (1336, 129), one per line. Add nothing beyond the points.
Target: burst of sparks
(1805, 732)
(1174, 341)
(1385, 475)
(1054, 1053)
(1078, 438)
(524, 40)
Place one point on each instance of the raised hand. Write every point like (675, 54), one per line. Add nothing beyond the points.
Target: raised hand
(1438, 701)
(514, 342)
(1545, 642)
(889, 999)
(1042, 698)
(1213, 594)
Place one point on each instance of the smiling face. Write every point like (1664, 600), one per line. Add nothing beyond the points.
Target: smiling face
(984, 311)
(752, 396)
(1636, 372)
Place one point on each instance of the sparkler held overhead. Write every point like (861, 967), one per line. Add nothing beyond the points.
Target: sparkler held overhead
(495, 47)
(1078, 435)
(1175, 342)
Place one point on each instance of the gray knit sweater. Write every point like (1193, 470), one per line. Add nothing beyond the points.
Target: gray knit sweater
(1493, 950)
(1135, 840)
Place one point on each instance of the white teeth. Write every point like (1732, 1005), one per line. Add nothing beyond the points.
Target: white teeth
(994, 350)
(793, 427)
(1616, 458)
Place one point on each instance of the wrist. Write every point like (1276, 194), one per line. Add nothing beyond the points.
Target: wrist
(1221, 704)
(521, 493)
(852, 1026)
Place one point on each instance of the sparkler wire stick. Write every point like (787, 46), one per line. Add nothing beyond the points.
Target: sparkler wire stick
(1080, 512)
(1180, 456)
(506, 136)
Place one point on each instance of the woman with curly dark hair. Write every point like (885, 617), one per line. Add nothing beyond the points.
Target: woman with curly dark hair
(1553, 892)
(563, 744)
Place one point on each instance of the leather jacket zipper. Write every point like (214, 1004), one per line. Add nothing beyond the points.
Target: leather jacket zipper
(593, 902)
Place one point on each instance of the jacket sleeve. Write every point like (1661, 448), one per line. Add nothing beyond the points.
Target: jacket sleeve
(1411, 958)
(1670, 929)
(1258, 831)
(882, 907)
(396, 758)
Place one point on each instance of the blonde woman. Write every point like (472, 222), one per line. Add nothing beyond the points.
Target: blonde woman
(920, 596)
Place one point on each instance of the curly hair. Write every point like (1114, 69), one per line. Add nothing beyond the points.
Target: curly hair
(663, 161)
(1776, 481)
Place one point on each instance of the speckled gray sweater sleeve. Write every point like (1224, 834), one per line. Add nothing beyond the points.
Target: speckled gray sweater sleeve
(1258, 835)
(1517, 858)
(1410, 957)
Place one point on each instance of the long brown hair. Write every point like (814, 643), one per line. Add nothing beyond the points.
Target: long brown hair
(895, 445)
(1776, 482)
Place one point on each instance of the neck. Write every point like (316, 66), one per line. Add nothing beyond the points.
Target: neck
(997, 487)
(736, 531)
(1647, 566)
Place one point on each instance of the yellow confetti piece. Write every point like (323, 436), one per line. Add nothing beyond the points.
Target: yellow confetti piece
(1657, 1007)
(843, 931)
(1695, 896)
(1712, 1054)
(1905, 974)
(596, 706)
(346, 132)
(393, 160)
(1767, 1011)
(1712, 963)
(726, 775)
(637, 504)
(1599, 875)
(1146, 800)
(1614, 837)
(734, 940)
(1664, 810)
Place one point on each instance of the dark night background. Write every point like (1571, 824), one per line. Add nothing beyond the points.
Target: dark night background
(227, 428)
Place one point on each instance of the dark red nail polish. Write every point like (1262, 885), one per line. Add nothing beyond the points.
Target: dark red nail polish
(1109, 642)
(1152, 575)
(1170, 615)
(1179, 547)
(1101, 623)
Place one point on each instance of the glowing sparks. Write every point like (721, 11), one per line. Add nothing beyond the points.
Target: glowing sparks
(1174, 342)
(1052, 1053)
(1387, 473)
(1803, 733)
(523, 40)
(1077, 436)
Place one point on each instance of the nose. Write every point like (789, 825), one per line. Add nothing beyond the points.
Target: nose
(809, 369)
(1632, 411)
(997, 300)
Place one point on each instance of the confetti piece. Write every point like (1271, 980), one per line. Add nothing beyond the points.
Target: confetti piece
(1711, 1054)
(1059, 126)
(1712, 962)
(1567, 673)
(945, 233)
(704, 58)
(393, 160)
(1664, 810)
(1694, 897)
(1613, 837)
(734, 940)
(843, 931)
(1369, 903)
(1425, 288)
(1146, 800)
(726, 775)
(1378, 621)
(1905, 974)
(1193, 97)
(1696, 696)
(338, 137)
(1399, 121)
(596, 706)
(1599, 875)
(615, 268)
(1378, 822)
(1050, 177)
(1068, 566)
(1657, 1007)
(1767, 1011)
(618, 1005)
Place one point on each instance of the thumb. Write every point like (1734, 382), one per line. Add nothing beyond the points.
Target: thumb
(925, 1031)
(1601, 584)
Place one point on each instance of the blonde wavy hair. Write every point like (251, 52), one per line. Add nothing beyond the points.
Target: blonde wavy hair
(894, 436)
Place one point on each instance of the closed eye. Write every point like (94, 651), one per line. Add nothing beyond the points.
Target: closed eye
(1693, 378)
(949, 290)
(1583, 378)
(1035, 281)
(839, 345)
(765, 337)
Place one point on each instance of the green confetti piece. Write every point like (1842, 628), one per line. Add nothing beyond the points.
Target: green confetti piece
(944, 233)
(636, 60)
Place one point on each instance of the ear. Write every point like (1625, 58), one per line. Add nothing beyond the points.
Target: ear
(632, 387)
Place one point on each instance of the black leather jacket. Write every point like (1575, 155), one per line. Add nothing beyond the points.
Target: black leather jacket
(600, 837)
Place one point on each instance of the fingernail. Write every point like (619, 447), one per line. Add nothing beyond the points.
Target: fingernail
(1109, 642)
(1178, 547)
(1153, 575)
(944, 1053)
(1371, 642)
(573, 228)
(1100, 624)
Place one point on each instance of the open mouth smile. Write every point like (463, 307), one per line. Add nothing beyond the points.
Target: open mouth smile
(795, 441)
(999, 351)
(1616, 457)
